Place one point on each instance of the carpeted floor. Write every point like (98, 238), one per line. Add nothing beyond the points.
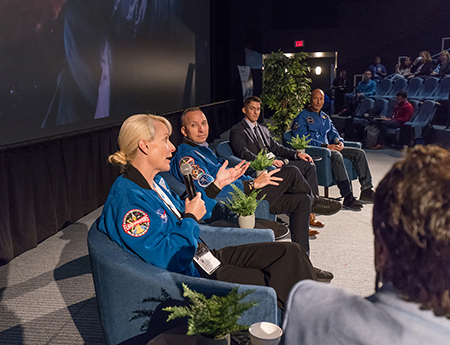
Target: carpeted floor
(47, 294)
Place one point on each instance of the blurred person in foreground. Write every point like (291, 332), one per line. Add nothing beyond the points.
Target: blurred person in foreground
(411, 222)
(145, 218)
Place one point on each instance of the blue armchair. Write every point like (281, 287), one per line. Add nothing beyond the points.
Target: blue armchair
(122, 281)
(324, 175)
(223, 150)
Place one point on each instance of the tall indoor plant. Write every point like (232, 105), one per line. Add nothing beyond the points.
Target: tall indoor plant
(286, 88)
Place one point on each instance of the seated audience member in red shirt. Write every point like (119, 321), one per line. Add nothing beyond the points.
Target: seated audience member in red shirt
(402, 113)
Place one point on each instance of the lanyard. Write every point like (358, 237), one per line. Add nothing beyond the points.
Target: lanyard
(169, 203)
(166, 200)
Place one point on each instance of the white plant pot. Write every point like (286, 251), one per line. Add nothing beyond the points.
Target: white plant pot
(259, 172)
(246, 222)
(301, 151)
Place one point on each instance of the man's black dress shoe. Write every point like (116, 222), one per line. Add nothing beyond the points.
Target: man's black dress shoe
(351, 203)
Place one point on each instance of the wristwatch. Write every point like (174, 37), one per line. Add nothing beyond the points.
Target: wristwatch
(251, 184)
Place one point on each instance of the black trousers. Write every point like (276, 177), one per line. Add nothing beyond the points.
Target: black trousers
(292, 196)
(309, 172)
(358, 158)
(276, 264)
(384, 126)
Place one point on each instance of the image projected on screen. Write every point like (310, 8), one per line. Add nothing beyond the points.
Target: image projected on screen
(71, 65)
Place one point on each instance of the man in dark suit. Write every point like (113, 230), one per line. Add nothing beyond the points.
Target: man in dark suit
(247, 138)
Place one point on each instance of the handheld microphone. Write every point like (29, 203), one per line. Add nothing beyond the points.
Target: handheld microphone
(186, 171)
(285, 161)
(337, 141)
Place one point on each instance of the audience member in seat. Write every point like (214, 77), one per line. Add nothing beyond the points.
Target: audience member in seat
(443, 68)
(366, 88)
(404, 70)
(341, 86)
(248, 138)
(422, 65)
(145, 218)
(377, 69)
(314, 122)
(411, 218)
(402, 113)
(286, 189)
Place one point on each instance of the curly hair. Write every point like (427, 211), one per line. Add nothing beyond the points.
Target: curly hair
(411, 216)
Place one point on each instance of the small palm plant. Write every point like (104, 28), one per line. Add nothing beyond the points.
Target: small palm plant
(214, 317)
(241, 204)
(261, 162)
(300, 143)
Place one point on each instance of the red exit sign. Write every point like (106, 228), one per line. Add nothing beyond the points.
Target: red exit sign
(299, 44)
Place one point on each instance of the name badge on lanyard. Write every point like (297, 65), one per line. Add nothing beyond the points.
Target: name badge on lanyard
(205, 259)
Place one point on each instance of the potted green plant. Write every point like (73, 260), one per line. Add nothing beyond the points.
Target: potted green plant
(244, 206)
(213, 319)
(261, 162)
(286, 88)
(300, 144)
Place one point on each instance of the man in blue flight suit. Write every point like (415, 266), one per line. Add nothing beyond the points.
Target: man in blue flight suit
(314, 122)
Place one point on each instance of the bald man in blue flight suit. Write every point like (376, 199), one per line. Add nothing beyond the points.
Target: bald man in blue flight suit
(314, 122)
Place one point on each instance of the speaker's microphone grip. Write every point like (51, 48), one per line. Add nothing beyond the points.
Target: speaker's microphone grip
(186, 171)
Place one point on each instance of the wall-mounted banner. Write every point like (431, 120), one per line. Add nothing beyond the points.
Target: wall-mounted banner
(246, 81)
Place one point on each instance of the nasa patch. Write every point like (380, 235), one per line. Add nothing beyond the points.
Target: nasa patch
(310, 120)
(162, 214)
(205, 180)
(136, 223)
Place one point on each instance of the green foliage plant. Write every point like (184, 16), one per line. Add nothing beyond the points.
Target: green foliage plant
(241, 204)
(261, 162)
(215, 316)
(300, 143)
(286, 88)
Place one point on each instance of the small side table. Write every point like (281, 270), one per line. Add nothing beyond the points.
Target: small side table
(280, 230)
